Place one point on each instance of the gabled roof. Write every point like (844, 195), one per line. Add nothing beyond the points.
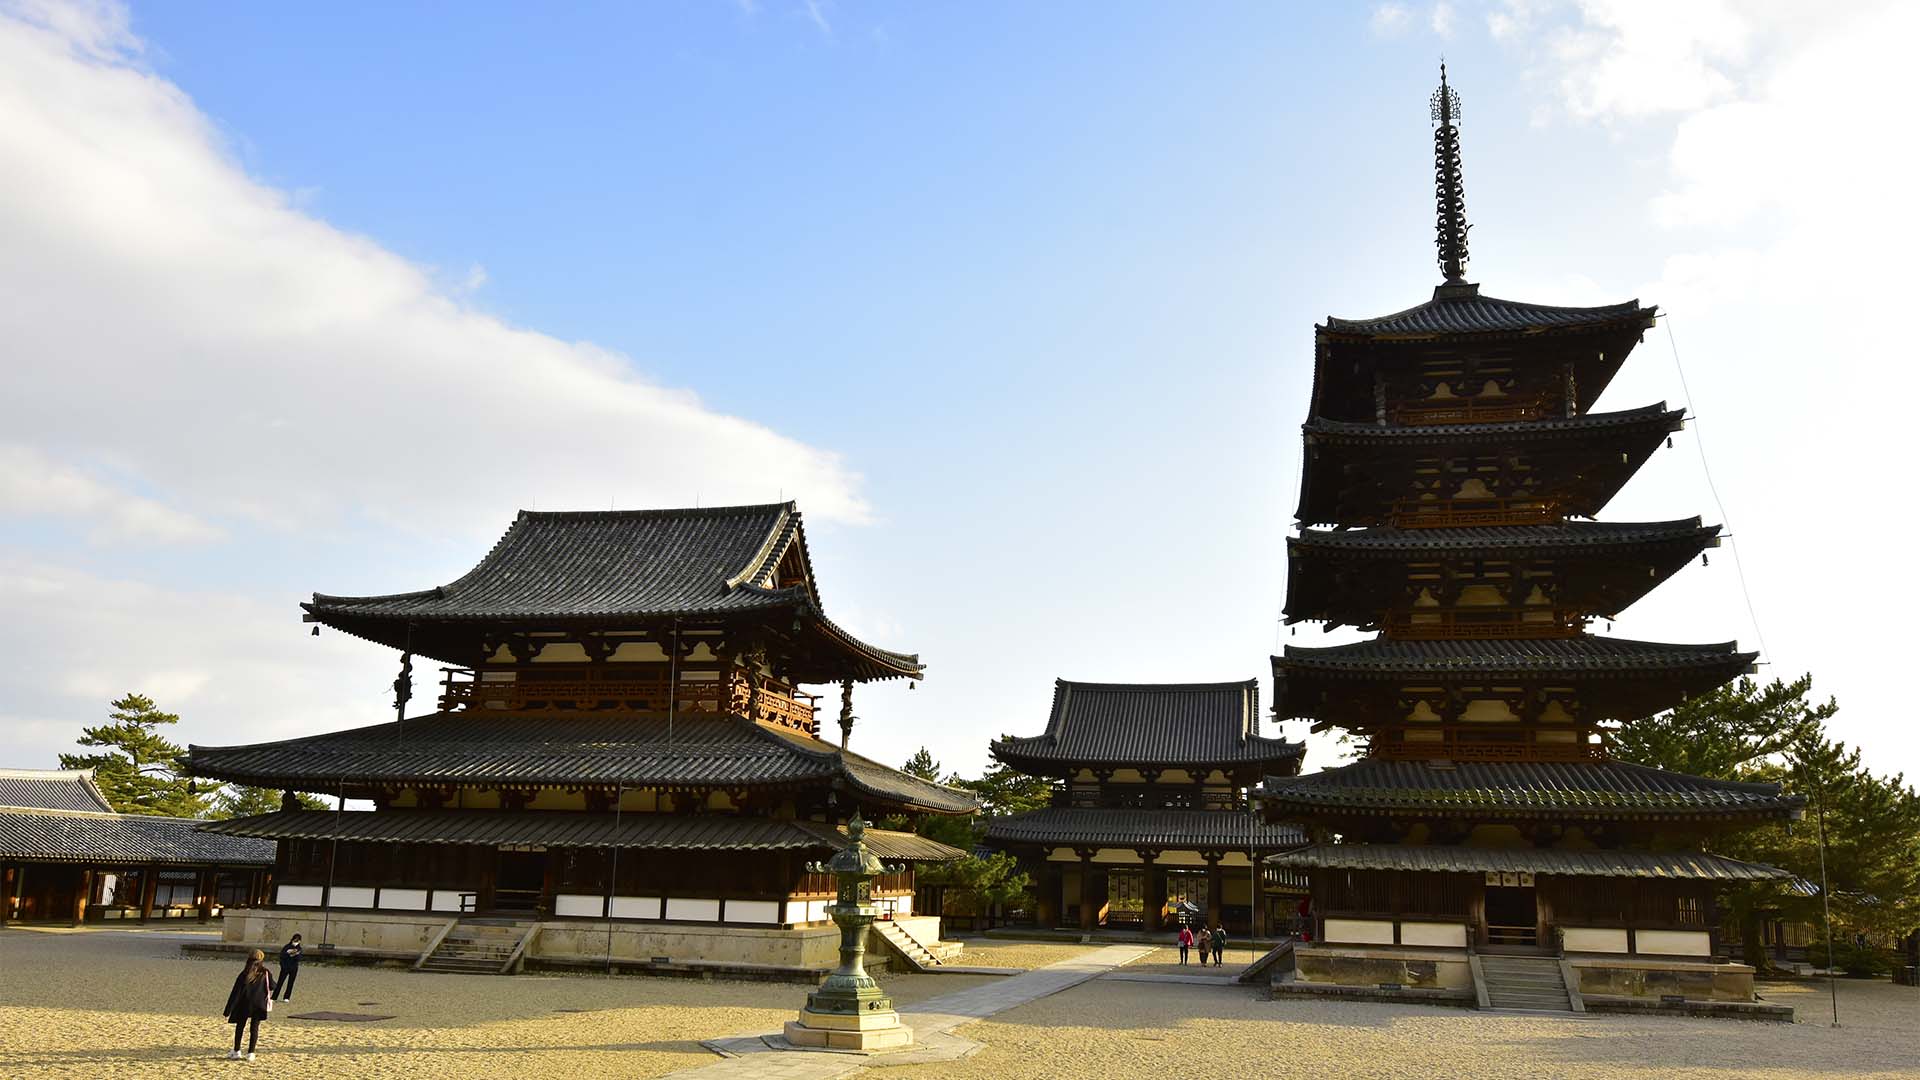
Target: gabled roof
(1448, 859)
(1459, 310)
(1172, 725)
(1517, 790)
(82, 836)
(1159, 829)
(51, 789)
(660, 832)
(571, 750)
(625, 566)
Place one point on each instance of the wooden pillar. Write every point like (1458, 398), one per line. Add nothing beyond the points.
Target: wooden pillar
(81, 895)
(8, 875)
(203, 894)
(149, 884)
(1046, 894)
(1156, 890)
(1089, 913)
(1216, 883)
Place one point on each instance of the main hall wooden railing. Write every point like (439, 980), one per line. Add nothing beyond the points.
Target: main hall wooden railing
(733, 694)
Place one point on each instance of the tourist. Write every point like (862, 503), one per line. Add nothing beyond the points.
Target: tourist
(1219, 944)
(1186, 941)
(249, 1003)
(289, 969)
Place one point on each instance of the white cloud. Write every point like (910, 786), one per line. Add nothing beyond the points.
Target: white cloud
(1441, 19)
(1635, 57)
(816, 12)
(34, 485)
(214, 355)
(1389, 20)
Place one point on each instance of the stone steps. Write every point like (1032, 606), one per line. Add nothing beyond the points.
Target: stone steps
(1532, 983)
(475, 949)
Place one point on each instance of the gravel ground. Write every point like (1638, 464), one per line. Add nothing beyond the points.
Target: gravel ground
(1110, 1028)
(127, 1005)
(994, 952)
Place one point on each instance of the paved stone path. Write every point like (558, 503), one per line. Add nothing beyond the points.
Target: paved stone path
(932, 1021)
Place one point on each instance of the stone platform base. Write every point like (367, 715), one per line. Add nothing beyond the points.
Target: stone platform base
(855, 1036)
(1735, 1010)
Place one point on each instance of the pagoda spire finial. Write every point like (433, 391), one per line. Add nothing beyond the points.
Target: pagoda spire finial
(1451, 231)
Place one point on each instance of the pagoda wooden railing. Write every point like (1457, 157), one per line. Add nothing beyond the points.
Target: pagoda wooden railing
(1468, 411)
(1470, 513)
(1464, 624)
(1482, 742)
(733, 694)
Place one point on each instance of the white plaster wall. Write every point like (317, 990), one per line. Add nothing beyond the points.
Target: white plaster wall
(352, 896)
(1360, 931)
(1440, 934)
(446, 899)
(753, 911)
(1673, 942)
(298, 895)
(579, 906)
(636, 907)
(691, 910)
(403, 899)
(1595, 939)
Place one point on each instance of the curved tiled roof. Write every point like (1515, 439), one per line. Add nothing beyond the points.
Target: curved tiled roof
(1585, 654)
(1321, 429)
(570, 749)
(74, 836)
(618, 565)
(669, 832)
(1608, 790)
(1674, 865)
(1462, 310)
(1165, 724)
(52, 789)
(1495, 541)
(1176, 830)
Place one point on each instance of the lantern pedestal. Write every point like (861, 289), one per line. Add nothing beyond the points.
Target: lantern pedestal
(849, 1011)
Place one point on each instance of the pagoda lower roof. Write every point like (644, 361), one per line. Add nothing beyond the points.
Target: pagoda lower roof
(1585, 655)
(1448, 859)
(1320, 429)
(1158, 830)
(623, 569)
(1149, 725)
(1499, 541)
(573, 750)
(660, 832)
(1514, 790)
(1461, 310)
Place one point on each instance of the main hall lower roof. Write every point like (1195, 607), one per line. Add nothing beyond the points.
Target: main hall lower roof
(1439, 858)
(570, 750)
(665, 832)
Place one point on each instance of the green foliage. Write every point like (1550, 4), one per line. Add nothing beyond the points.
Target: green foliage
(1857, 961)
(141, 772)
(1871, 823)
(975, 885)
(1004, 791)
(922, 766)
(238, 800)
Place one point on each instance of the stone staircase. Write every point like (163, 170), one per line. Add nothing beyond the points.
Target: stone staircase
(475, 947)
(915, 952)
(1528, 983)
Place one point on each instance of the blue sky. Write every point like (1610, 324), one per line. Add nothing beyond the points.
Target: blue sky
(1017, 300)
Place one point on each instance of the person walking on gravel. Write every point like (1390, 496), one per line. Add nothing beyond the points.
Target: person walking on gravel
(249, 1003)
(289, 970)
(1219, 943)
(1186, 942)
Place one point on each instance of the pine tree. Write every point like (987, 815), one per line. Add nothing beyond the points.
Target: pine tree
(142, 772)
(922, 765)
(238, 800)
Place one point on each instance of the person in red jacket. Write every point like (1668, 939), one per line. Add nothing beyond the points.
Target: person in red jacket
(1186, 942)
(249, 1003)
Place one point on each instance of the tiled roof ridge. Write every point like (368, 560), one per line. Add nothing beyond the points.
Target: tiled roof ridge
(54, 811)
(1561, 316)
(1152, 687)
(737, 510)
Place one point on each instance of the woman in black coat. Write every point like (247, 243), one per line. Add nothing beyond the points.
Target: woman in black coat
(249, 1002)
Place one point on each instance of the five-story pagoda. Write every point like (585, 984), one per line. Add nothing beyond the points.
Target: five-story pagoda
(1454, 462)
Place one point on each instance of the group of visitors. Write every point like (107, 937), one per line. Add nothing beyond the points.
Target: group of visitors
(254, 992)
(1214, 940)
